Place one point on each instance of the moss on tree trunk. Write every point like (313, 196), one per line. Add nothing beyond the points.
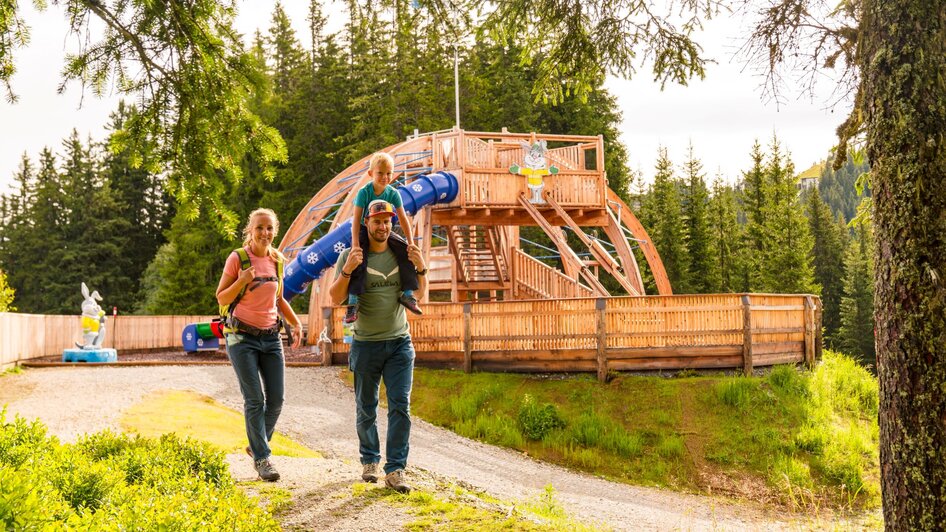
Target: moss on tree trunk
(903, 64)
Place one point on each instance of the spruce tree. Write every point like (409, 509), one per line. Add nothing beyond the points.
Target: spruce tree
(667, 228)
(786, 256)
(703, 271)
(754, 200)
(837, 186)
(856, 333)
(95, 234)
(827, 258)
(136, 222)
(35, 254)
(727, 236)
(182, 278)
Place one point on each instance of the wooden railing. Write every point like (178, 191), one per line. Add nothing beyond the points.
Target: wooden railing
(532, 279)
(602, 334)
(485, 158)
(27, 336)
(499, 188)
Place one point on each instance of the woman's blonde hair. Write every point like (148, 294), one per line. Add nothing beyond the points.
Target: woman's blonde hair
(248, 232)
(380, 157)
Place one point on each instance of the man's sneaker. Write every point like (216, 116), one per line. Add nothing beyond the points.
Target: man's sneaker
(266, 470)
(410, 302)
(351, 314)
(395, 481)
(371, 472)
(249, 452)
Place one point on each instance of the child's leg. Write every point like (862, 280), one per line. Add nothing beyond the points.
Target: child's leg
(408, 274)
(356, 285)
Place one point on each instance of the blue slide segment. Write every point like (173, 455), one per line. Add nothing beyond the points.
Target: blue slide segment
(429, 189)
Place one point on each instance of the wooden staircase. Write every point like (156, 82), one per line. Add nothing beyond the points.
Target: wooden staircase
(480, 253)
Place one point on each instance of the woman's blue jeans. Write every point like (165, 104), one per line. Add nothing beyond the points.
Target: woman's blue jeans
(256, 358)
(393, 362)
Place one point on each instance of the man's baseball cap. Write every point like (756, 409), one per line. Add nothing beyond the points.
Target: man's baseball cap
(380, 207)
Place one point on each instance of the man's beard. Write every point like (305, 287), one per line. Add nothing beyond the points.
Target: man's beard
(374, 235)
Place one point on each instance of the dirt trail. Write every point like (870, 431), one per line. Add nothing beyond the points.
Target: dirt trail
(319, 412)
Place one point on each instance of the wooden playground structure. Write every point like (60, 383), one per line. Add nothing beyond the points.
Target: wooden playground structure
(503, 309)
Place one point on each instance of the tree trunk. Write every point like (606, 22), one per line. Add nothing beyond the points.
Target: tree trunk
(903, 62)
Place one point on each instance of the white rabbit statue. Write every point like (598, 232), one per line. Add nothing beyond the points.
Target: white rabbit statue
(93, 320)
(534, 167)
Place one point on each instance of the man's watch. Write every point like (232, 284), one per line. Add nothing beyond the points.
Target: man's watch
(422, 272)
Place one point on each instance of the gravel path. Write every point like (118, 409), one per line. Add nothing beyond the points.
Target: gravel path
(319, 412)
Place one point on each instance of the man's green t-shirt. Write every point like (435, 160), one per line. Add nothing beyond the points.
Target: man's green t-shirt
(380, 316)
(366, 195)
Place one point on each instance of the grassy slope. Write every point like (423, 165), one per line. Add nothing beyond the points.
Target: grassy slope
(200, 417)
(802, 438)
(188, 414)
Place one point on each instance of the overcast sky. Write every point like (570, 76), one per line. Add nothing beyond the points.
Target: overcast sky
(721, 115)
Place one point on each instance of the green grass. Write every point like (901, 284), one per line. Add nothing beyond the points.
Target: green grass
(810, 436)
(15, 370)
(199, 417)
(603, 429)
(456, 509)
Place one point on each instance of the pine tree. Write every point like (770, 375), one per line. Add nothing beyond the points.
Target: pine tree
(135, 224)
(856, 333)
(35, 254)
(837, 186)
(14, 220)
(786, 256)
(95, 236)
(182, 278)
(667, 229)
(703, 270)
(727, 234)
(827, 258)
(754, 200)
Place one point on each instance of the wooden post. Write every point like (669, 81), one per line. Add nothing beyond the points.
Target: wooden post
(809, 332)
(467, 339)
(746, 336)
(326, 348)
(600, 306)
(819, 340)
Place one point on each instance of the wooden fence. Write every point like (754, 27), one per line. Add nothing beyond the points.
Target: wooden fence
(28, 336)
(602, 334)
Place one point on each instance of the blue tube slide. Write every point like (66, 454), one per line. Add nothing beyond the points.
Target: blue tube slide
(429, 189)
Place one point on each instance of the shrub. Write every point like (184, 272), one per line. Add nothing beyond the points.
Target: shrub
(26, 503)
(111, 481)
(538, 420)
(21, 440)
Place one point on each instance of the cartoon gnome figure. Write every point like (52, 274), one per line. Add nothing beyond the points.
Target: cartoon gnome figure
(534, 167)
(93, 320)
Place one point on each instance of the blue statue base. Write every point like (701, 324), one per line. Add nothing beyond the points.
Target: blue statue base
(90, 355)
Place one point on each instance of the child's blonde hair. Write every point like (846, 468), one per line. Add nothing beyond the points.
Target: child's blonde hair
(248, 232)
(381, 157)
